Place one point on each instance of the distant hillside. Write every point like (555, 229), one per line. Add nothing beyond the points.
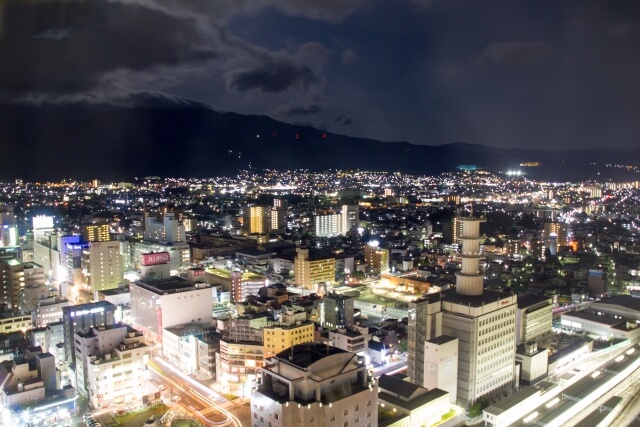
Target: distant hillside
(54, 142)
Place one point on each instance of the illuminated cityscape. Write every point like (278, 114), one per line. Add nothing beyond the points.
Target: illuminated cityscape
(452, 299)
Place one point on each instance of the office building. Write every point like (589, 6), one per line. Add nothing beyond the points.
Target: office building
(30, 395)
(111, 362)
(165, 228)
(534, 319)
(376, 258)
(338, 311)
(279, 214)
(257, 220)
(483, 322)
(16, 275)
(327, 225)
(316, 385)
(279, 337)
(554, 235)
(95, 233)
(81, 318)
(160, 304)
(350, 218)
(424, 324)
(50, 251)
(49, 310)
(102, 266)
(42, 227)
(8, 226)
(309, 271)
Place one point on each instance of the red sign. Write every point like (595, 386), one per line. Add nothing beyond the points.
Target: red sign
(155, 259)
(198, 273)
(506, 301)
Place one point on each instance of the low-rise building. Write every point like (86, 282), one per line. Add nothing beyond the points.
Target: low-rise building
(110, 364)
(315, 385)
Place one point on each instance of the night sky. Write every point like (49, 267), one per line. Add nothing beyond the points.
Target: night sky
(531, 74)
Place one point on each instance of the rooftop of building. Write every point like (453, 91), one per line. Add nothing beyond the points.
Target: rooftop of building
(528, 300)
(514, 399)
(255, 252)
(625, 301)
(593, 317)
(442, 339)
(88, 306)
(487, 297)
(115, 291)
(185, 330)
(92, 332)
(404, 394)
(335, 296)
(305, 355)
(169, 285)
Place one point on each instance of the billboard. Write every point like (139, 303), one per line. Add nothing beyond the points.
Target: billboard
(155, 258)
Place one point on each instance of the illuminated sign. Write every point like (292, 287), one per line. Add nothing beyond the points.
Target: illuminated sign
(198, 273)
(155, 258)
(85, 312)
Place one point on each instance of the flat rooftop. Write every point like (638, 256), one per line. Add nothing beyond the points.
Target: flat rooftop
(486, 297)
(442, 339)
(169, 285)
(625, 301)
(305, 355)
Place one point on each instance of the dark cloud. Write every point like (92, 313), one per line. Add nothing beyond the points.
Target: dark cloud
(623, 29)
(107, 37)
(55, 34)
(273, 76)
(350, 57)
(343, 119)
(515, 53)
(302, 110)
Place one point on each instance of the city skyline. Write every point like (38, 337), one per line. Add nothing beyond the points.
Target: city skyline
(510, 75)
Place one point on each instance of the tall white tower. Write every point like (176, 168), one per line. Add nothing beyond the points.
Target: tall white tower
(469, 278)
(483, 322)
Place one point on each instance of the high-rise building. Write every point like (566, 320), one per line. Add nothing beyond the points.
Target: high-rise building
(83, 317)
(166, 230)
(159, 304)
(42, 227)
(309, 270)
(350, 218)
(483, 322)
(102, 266)
(554, 235)
(338, 311)
(425, 323)
(279, 214)
(14, 277)
(8, 226)
(376, 258)
(327, 225)
(51, 253)
(95, 233)
(316, 385)
(257, 219)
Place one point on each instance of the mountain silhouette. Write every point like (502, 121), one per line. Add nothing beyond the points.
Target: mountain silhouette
(52, 142)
